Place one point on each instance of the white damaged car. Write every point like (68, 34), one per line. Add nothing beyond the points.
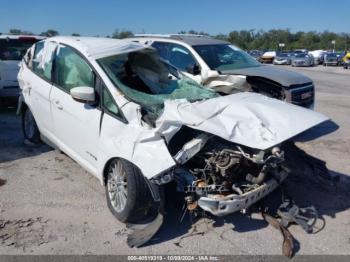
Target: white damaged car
(122, 114)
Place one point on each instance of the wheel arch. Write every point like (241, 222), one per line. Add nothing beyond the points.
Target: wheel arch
(152, 187)
(106, 165)
(21, 106)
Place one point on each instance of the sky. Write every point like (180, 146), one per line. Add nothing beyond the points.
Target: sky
(102, 17)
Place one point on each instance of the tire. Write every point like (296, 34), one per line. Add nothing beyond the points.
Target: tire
(29, 127)
(131, 201)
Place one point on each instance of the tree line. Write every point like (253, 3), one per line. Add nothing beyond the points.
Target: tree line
(252, 39)
(270, 40)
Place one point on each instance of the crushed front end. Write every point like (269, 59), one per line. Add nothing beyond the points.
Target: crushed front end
(221, 177)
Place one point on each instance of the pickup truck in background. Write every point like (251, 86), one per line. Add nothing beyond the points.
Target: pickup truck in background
(227, 69)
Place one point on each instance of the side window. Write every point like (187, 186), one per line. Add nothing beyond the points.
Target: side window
(38, 48)
(71, 70)
(43, 58)
(180, 57)
(27, 58)
(108, 102)
(162, 49)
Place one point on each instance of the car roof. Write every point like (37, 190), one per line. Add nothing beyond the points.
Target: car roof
(192, 40)
(98, 47)
(22, 36)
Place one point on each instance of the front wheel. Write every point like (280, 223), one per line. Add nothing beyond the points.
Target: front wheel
(128, 196)
(29, 127)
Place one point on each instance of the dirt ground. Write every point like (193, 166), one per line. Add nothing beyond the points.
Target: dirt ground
(50, 205)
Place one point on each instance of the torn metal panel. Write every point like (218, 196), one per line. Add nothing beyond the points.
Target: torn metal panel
(191, 148)
(142, 233)
(247, 119)
(95, 47)
(288, 243)
(98, 48)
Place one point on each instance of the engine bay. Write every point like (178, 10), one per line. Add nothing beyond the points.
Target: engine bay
(214, 168)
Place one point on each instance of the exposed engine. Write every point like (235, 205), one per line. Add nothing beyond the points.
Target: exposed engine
(213, 168)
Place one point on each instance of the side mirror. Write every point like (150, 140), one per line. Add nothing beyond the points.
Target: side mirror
(209, 74)
(212, 74)
(194, 70)
(83, 94)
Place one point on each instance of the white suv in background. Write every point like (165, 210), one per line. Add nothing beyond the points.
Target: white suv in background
(227, 69)
(12, 50)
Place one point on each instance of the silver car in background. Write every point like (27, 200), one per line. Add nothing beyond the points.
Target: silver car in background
(282, 59)
(333, 59)
(318, 56)
(303, 59)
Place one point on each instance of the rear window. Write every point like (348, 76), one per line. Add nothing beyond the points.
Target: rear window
(15, 49)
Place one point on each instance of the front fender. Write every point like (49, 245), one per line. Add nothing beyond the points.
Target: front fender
(20, 105)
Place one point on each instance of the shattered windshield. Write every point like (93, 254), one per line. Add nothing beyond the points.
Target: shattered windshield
(225, 57)
(144, 79)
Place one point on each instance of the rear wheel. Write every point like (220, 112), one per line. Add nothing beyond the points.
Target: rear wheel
(128, 196)
(29, 127)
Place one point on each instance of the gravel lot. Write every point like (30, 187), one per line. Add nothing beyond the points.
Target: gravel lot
(50, 205)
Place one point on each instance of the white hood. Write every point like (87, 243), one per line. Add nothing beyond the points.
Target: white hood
(269, 54)
(248, 119)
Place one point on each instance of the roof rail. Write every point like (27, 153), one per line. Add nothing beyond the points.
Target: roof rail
(191, 35)
(153, 35)
(175, 36)
(11, 36)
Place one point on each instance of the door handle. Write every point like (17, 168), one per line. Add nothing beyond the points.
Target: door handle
(58, 105)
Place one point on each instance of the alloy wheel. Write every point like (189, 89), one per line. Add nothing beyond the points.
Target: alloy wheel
(117, 186)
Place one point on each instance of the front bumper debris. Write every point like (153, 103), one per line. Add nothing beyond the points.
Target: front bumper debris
(139, 234)
(232, 203)
(288, 239)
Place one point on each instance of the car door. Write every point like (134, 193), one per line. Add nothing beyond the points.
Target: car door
(76, 124)
(36, 82)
